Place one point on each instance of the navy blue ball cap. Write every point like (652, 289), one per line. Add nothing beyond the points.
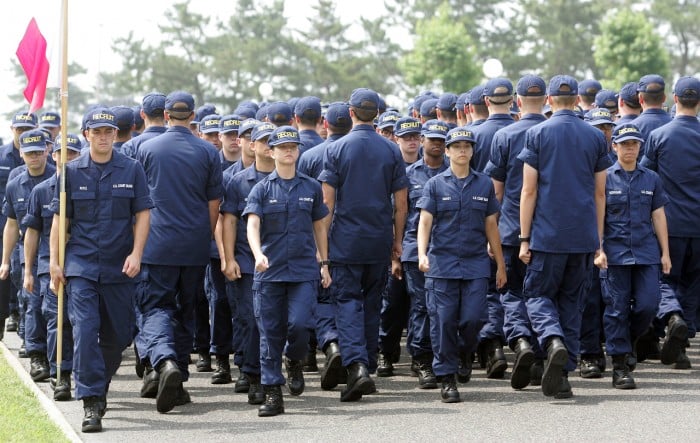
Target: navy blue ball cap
(498, 87)
(589, 87)
(687, 87)
(247, 125)
(476, 95)
(284, 134)
(428, 108)
(651, 83)
(179, 101)
(24, 120)
(364, 98)
(447, 102)
(308, 107)
(459, 135)
(125, 116)
(50, 119)
(153, 102)
(388, 119)
(279, 113)
(33, 141)
(407, 125)
(627, 131)
(435, 129)
(598, 116)
(261, 130)
(210, 124)
(229, 123)
(531, 86)
(72, 142)
(100, 118)
(338, 115)
(563, 85)
(605, 98)
(628, 93)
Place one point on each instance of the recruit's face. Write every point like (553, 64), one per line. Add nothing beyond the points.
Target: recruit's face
(285, 154)
(229, 143)
(434, 147)
(409, 143)
(101, 139)
(213, 138)
(628, 150)
(246, 145)
(460, 153)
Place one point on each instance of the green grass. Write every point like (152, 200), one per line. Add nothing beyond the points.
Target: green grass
(22, 419)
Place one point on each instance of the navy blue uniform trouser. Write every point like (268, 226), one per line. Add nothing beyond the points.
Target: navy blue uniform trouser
(418, 342)
(592, 322)
(326, 332)
(554, 287)
(456, 308)
(283, 312)
(247, 329)
(393, 317)
(493, 326)
(219, 308)
(357, 296)
(49, 309)
(631, 294)
(201, 339)
(682, 285)
(165, 298)
(34, 321)
(516, 323)
(102, 317)
(237, 344)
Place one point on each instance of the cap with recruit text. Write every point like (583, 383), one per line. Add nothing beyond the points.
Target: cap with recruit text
(50, 119)
(209, 124)
(459, 135)
(625, 132)
(24, 120)
(598, 116)
(435, 129)
(72, 142)
(407, 125)
(229, 123)
(388, 119)
(100, 118)
(284, 134)
(247, 125)
(262, 130)
(32, 141)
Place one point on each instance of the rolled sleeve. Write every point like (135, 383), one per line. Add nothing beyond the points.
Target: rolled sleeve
(330, 174)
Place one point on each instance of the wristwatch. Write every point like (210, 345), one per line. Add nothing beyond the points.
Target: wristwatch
(523, 239)
(325, 263)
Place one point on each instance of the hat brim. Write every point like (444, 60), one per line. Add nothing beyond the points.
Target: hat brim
(23, 125)
(601, 121)
(460, 139)
(33, 149)
(434, 135)
(57, 148)
(624, 138)
(102, 125)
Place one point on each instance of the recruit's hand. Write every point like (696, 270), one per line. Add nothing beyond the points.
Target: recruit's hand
(325, 277)
(666, 264)
(4, 271)
(231, 270)
(396, 269)
(132, 265)
(601, 260)
(501, 278)
(396, 250)
(424, 263)
(28, 284)
(261, 264)
(57, 278)
(525, 255)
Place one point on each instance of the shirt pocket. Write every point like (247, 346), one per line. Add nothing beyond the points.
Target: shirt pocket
(616, 206)
(121, 202)
(84, 205)
(478, 213)
(274, 218)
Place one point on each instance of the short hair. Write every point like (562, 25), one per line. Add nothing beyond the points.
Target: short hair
(566, 101)
(687, 102)
(342, 130)
(450, 115)
(309, 117)
(123, 132)
(364, 115)
(655, 98)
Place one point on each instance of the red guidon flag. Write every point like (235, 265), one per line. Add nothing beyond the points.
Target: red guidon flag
(31, 53)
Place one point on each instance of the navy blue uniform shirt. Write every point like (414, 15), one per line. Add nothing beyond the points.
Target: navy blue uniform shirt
(630, 198)
(101, 201)
(184, 174)
(483, 134)
(365, 169)
(311, 161)
(39, 217)
(9, 160)
(236, 190)
(309, 138)
(17, 199)
(131, 147)
(458, 242)
(566, 152)
(505, 166)
(287, 210)
(418, 175)
(673, 151)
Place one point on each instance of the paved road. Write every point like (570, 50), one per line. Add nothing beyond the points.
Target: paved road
(666, 406)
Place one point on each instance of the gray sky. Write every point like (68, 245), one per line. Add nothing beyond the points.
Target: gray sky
(95, 24)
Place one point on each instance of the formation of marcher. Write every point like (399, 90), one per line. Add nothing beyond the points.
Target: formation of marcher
(559, 220)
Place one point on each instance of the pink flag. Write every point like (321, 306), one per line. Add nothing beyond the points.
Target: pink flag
(31, 53)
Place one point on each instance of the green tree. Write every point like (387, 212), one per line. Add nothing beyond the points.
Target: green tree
(444, 56)
(680, 19)
(628, 48)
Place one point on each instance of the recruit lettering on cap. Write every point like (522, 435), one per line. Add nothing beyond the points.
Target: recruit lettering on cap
(231, 123)
(409, 125)
(211, 122)
(103, 116)
(32, 139)
(601, 114)
(285, 134)
(437, 128)
(24, 117)
(626, 130)
(461, 134)
(391, 118)
(48, 118)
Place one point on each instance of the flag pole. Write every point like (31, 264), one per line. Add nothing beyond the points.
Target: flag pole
(62, 183)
